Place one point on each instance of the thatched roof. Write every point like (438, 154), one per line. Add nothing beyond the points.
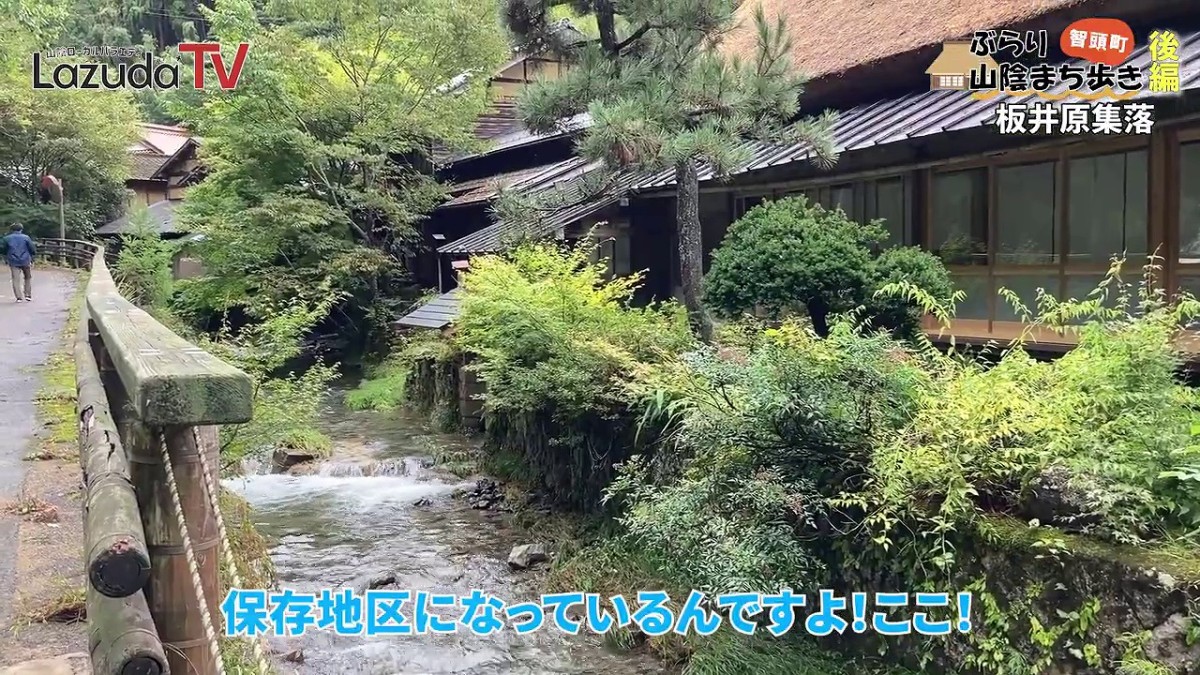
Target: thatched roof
(831, 37)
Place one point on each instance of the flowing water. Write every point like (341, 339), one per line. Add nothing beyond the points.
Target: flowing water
(355, 517)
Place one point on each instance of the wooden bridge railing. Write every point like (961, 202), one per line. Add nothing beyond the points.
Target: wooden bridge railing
(148, 406)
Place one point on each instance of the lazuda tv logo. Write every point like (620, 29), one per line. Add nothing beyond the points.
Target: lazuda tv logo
(149, 73)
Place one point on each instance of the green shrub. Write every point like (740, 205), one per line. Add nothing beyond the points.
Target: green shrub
(789, 399)
(719, 532)
(918, 267)
(1110, 416)
(286, 404)
(756, 435)
(143, 266)
(790, 256)
(548, 331)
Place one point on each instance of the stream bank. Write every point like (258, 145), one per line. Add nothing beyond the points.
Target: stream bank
(1048, 601)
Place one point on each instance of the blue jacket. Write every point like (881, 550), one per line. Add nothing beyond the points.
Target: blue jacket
(20, 249)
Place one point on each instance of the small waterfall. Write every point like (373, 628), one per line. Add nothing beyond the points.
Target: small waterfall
(407, 466)
(256, 465)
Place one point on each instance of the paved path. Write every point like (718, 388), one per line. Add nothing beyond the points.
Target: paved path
(29, 334)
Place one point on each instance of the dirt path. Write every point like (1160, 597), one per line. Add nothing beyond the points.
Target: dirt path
(40, 521)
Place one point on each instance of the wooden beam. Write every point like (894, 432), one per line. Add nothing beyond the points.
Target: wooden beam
(118, 563)
(169, 380)
(122, 638)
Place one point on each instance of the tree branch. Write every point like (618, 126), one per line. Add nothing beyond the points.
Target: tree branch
(634, 37)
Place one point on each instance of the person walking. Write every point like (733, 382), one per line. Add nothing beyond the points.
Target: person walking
(19, 251)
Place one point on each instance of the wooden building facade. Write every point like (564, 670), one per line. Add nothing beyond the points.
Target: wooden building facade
(1019, 212)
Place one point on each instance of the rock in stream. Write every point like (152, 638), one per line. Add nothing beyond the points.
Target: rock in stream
(526, 555)
(488, 494)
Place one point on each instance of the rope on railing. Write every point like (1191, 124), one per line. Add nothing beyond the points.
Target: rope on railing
(197, 586)
(210, 489)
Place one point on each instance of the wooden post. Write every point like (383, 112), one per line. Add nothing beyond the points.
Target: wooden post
(170, 593)
(170, 387)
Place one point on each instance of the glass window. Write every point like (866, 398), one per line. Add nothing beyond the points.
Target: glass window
(842, 197)
(1189, 284)
(748, 203)
(1026, 204)
(887, 200)
(623, 265)
(975, 305)
(614, 252)
(1108, 208)
(958, 232)
(1189, 203)
(1080, 286)
(1026, 289)
(825, 197)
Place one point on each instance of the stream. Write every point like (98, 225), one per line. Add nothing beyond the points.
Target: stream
(353, 518)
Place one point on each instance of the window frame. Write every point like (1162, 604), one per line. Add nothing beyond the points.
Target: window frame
(1056, 217)
(870, 198)
(740, 199)
(1162, 148)
(925, 241)
(1102, 267)
(1062, 154)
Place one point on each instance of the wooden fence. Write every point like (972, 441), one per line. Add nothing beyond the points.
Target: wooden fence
(149, 405)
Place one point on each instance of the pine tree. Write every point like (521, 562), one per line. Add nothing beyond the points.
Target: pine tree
(660, 94)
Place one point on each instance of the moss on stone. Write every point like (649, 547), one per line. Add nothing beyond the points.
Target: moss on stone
(1180, 562)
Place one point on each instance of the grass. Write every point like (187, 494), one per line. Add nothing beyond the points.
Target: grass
(459, 461)
(308, 440)
(68, 606)
(237, 656)
(56, 407)
(251, 550)
(56, 401)
(384, 390)
(1178, 558)
(251, 556)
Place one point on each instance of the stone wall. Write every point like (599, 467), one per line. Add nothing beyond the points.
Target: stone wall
(1045, 602)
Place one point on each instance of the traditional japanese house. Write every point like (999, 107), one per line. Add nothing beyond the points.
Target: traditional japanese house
(952, 68)
(1021, 212)
(164, 164)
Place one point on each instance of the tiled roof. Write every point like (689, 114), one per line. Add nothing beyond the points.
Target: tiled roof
(499, 120)
(162, 219)
(501, 234)
(437, 313)
(167, 140)
(520, 136)
(483, 189)
(159, 145)
(144, 166)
